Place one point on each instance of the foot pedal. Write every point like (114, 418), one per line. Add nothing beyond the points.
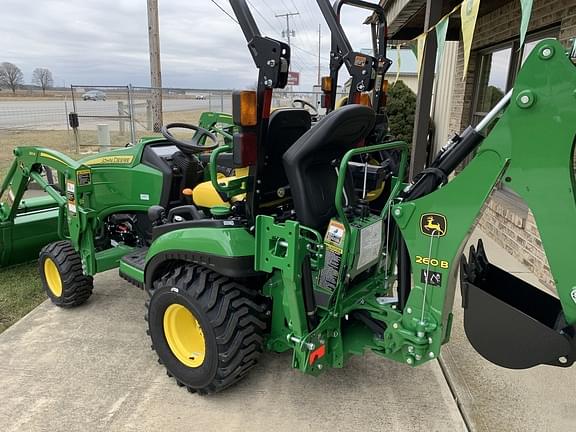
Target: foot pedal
(510, 322)
(132, 266)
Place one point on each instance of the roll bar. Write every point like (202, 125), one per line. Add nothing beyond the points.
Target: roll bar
(245, 19)
(335, 28)
(271, 57)
(379, 30)
(367, 72)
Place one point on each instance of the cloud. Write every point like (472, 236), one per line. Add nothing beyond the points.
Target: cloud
(105, 42)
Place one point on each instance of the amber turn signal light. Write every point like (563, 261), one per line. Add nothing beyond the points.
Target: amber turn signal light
(326, 84)
(244, 108)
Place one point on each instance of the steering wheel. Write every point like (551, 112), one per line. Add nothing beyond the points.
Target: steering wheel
(193, 146)
(304, 104)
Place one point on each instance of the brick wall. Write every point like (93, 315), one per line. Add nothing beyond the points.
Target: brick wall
(518, 234)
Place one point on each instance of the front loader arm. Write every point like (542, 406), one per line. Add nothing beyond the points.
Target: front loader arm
(27, 165)
(70, 191)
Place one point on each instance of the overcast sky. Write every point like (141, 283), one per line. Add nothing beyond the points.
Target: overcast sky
(105, 42)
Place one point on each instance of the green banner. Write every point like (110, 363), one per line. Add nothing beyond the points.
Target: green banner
(398, 62)
(413, 46)
(526, 12)
(441, 31)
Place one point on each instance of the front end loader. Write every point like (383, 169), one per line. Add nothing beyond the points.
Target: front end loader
(292, 257)
(97, 206)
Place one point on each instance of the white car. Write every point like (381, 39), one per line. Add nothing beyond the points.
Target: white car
(94, 95)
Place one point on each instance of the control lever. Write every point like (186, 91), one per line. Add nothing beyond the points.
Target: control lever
(157, 215)
(185, 210)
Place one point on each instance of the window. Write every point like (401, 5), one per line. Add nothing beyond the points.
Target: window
(492, 80)
(495, 76)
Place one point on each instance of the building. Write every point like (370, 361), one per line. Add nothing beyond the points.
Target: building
(494, 63)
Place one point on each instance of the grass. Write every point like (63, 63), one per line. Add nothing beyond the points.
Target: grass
(63, 140)
(20, 292)
(20, 286)
(57, 139)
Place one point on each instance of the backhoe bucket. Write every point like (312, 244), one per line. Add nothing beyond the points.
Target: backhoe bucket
(510, 322)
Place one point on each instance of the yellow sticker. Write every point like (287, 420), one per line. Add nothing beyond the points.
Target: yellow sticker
(360, 61)
(335, 235)
(83, 177)
(49, 156)
(111, 160)
(8, 197)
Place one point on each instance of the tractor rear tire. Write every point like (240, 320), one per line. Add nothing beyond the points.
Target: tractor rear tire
(207, 329)
(62, 277)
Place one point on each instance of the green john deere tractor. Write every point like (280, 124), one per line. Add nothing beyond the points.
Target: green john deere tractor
(287, 254)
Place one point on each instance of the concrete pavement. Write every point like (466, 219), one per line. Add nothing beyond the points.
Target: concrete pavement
(497, 399)
(91, 369)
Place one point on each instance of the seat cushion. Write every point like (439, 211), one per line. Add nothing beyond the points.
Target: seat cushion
(309, 162)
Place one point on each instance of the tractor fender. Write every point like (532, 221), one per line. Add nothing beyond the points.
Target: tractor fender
(228, 251)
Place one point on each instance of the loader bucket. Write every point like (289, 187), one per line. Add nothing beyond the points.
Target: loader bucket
(510, 322)
(34, 227)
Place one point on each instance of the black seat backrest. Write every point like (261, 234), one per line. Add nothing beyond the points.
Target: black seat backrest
(308, 163)
(284, 129)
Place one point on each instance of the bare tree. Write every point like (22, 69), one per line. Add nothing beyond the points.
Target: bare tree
(10, 76)
(43, 78)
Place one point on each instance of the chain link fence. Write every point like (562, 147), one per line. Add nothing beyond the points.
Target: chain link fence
(107, 116)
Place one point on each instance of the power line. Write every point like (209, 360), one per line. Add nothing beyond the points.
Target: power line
(308, 17)
(272, 27)
(308, 20)
(225, 11)
(302, 33)
(285, 6)
(294, 4)
(312, 14)
(287, 15)
(261, 15)
(309, 53)
(268, 6)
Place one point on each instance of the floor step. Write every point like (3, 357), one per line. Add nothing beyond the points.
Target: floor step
(132, 266)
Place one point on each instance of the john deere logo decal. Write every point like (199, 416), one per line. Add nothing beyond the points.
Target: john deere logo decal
(433, 224)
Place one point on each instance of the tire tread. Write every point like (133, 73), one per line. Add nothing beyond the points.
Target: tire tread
(76, 286)
(236, 313)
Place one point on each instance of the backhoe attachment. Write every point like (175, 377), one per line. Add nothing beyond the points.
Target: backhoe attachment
(510, 322)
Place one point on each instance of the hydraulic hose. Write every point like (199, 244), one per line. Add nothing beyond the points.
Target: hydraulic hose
(308, 290)
(431, 178)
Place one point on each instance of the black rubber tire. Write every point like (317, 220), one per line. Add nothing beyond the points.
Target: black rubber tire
(232, 317)
(76, 286)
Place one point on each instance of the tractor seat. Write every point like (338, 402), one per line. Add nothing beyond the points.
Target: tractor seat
(284, 128)
(309, 162)
(205, 196)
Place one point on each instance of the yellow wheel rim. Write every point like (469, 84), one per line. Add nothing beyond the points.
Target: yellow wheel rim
(184, 335)
(52, 277)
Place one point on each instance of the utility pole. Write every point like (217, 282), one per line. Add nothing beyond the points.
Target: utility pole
(319, 43)
(288, 32)
(155, 73)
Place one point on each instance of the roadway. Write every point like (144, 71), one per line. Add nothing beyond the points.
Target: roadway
(53, 114)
